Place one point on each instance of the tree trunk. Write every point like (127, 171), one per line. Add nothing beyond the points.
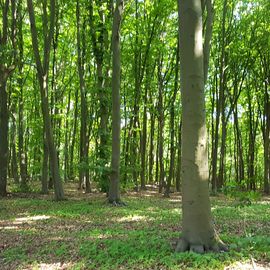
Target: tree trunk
(114, 188)
(13, 142)
(179, 159)
(21, 127)
(73, 136)
(84, 113)
(160, 130)
(143, 140)
(7, 34)
(43, 71)
(3, 137)
(198, 233)
(151, 148)
(172, 125)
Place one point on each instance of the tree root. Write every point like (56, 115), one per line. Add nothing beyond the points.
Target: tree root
(117, 203)
(217, 246)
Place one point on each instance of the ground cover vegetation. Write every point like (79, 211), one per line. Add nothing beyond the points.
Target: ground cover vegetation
(162, 100)
(85, 233)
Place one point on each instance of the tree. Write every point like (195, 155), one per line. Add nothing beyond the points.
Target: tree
(84, 140)
(7, 66)
(114, 190)
(198, 232)
(99, 19)
(43, 77)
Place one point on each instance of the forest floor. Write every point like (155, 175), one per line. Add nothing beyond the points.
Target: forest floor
(84, 232)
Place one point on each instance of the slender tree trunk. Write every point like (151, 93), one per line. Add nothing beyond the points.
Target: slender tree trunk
(13, 143)
(84, 111)
(73, 136)
(43, 71)
(45, 168)
(239, 147)
(21, 126)
(151, 148)
(219, 101)
(67, 137)
(114, 188)
(160, 130)
(3, 137)
(143, 141)
(100, 45)
(7, 34)
(179, 158)
(266, 141)
(172, 125)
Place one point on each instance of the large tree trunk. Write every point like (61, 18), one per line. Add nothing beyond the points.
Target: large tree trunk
(114, 189)
(198, 233)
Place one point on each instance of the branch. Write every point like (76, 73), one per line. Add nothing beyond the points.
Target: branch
(34, 36)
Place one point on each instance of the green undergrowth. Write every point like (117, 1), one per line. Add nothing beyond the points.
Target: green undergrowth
(87, 233)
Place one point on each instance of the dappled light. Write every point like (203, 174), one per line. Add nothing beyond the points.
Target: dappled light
(30, 219)
(134, 218)
(70, 234)
(49, 266)
(15, 224)
(135, 135)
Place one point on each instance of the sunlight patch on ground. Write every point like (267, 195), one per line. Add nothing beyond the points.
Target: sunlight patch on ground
(175, 200)
(31, 219)
(133, 218)
(14, 225)
(251, 265)
(49, 266)
(175, 210)
(9, 227)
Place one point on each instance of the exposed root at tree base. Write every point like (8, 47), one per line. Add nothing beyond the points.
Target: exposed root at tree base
(216, 246)
(117, 203)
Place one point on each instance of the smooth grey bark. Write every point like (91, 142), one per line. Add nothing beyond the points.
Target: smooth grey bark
(43, 72)
(114, 187)
(198, 233)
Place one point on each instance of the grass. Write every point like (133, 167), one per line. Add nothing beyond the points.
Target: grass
(85, 233)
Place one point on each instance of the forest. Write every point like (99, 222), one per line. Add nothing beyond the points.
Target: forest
(134, 134)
